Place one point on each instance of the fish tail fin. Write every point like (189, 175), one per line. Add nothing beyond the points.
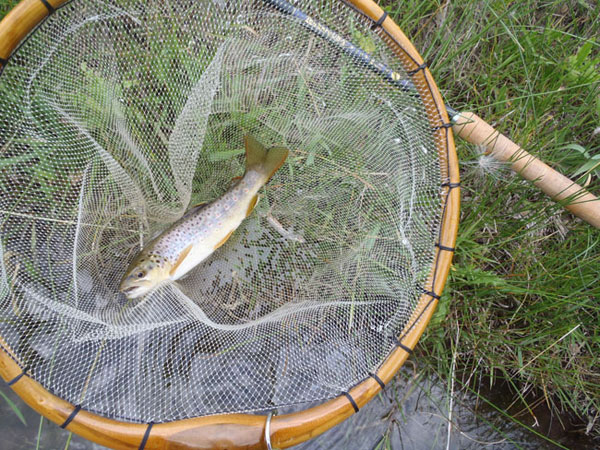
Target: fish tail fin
(262, 160)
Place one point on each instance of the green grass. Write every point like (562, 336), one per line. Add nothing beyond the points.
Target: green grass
(524, 288)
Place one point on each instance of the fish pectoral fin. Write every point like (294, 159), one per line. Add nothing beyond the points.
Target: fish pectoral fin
(222, 241)
(182, 256)
(252, 205)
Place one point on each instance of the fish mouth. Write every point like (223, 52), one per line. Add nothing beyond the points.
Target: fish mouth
(132, 292)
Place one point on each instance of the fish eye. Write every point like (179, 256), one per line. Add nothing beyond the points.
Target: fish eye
(140, 274)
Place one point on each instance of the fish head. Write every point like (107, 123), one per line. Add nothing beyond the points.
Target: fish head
(144, 274)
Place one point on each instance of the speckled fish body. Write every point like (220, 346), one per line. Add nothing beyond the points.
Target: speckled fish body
(204, 228)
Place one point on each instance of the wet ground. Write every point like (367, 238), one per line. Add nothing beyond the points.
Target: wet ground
(412, 413)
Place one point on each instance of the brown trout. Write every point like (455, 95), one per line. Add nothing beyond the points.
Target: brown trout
(204, 228)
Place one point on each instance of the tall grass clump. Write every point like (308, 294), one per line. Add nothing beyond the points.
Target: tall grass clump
(524, 286)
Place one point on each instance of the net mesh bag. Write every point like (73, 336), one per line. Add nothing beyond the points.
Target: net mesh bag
(117, 117)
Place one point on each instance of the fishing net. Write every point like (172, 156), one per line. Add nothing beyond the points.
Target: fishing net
(117, 117)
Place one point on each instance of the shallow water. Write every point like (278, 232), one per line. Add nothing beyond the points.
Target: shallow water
(412, 413)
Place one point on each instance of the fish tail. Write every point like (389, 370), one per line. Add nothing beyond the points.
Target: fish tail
(264, 161)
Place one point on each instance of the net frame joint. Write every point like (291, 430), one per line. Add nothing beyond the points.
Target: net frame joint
(268, 429)
(453, 114)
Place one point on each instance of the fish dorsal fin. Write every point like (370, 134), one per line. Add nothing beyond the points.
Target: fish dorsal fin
(235, 180)
(197, 207)
(222, 241)
(252, 205)
(182, 256)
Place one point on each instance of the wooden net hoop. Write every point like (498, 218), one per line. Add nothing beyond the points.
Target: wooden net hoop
(246, 430)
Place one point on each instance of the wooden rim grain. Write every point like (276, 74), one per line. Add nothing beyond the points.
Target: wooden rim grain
(246, 430)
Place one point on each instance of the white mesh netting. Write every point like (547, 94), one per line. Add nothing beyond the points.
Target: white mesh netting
(116, 117)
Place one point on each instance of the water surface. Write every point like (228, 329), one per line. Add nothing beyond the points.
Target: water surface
(412, 413)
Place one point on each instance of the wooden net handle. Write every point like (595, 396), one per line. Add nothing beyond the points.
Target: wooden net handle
(577, 199)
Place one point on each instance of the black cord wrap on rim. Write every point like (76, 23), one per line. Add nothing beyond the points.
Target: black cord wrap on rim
(444, 125)
(431, 294)
(71, 417)
(404, 347)
(444, 248)
(48, 6)
(380, 20)
(18, 377)
(412, 73)
(51, 9)
(451, 185)
(351, 400)
(146, 436)
(379, 380)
